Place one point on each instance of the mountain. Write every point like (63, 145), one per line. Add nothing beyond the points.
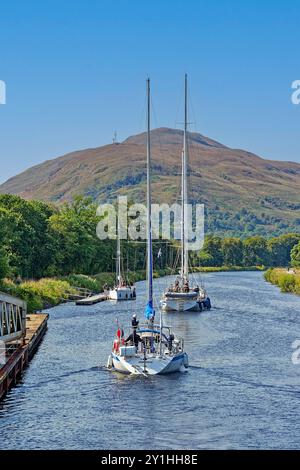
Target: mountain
(242, 193)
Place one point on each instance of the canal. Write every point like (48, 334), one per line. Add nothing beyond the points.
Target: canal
(242, 390)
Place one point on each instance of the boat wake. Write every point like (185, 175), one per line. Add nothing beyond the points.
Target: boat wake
(66, 375)
(286, 389)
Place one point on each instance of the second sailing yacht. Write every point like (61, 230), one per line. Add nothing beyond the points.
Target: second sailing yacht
(180, 296)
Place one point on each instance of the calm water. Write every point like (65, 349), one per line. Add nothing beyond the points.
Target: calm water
(242, 390)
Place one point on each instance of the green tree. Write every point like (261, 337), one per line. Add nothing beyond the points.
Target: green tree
(232, 249)
(77, 248)
(255, 251)
(211, 253)
(295, 255)
(16, 243)
(25, 224)
(280, 249)
(4, 268)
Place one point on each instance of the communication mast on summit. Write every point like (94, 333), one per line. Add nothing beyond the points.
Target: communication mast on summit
(115, 139)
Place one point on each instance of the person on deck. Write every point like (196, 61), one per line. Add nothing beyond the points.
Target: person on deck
(186, 286)
(176, 286)
(134, 322)
(134, 338)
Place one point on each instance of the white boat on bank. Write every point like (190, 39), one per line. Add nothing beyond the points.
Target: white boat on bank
(122, 290)
(122, 293)
(150, 349)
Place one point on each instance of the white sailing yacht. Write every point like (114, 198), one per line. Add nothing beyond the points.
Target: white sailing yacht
(122, 289)
(151, 348)
(180, 296)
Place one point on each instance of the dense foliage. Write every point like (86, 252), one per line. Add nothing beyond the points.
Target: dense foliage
(261, 220)
(38, 240)
(295, 255)
(253, 251)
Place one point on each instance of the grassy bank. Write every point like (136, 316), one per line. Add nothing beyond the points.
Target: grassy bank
(216, 269)
(286, 281)
(49, 292)
(39, 294)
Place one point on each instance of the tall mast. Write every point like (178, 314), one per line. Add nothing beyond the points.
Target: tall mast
(184, 193)
(149, 227)
(118, 260)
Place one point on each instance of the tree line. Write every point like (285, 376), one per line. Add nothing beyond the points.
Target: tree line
(39, 239)
(253, 251)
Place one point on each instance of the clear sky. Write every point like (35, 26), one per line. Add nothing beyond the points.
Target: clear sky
(75, 72)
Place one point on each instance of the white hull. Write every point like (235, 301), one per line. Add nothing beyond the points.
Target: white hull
(179, 305)
(122, 293)
(154, 365)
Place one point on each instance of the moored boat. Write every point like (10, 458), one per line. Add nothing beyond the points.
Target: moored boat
(122, 290)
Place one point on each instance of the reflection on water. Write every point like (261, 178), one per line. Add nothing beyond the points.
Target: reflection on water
(241, 391)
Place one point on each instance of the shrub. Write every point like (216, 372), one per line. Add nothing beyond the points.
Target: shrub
(105, 278)
(297, 285)
(287, 282)
(39, 294)
(83, 281)
(268, 275)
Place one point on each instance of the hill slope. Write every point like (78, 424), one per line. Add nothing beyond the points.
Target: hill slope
(243, 193)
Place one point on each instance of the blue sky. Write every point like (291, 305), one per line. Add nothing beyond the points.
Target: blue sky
(75, 72)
